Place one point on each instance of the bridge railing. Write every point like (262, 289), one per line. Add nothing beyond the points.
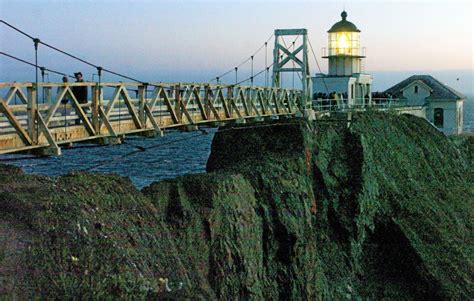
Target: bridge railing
(333, 105)
(50, 114)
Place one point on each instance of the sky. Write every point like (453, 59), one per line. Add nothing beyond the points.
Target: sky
(198, 40)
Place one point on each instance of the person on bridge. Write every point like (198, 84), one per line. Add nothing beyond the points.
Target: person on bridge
(80, 92)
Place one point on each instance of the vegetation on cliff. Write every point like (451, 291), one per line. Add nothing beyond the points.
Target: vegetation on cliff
(378, 208)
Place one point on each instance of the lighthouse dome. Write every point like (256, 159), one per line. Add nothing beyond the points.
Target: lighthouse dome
(344, 25)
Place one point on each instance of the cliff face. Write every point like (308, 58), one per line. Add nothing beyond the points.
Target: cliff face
(379, 209)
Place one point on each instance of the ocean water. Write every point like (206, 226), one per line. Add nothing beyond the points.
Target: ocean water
(175, 154)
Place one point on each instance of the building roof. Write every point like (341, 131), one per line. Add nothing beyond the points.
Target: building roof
(439, 90)
(344, 25)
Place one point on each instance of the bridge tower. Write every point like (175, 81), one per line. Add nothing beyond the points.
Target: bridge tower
(283, 54)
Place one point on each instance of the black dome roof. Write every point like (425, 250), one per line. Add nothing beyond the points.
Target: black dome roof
(344, 25)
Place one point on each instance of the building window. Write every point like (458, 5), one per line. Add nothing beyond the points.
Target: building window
(439, 117)
(416, 89)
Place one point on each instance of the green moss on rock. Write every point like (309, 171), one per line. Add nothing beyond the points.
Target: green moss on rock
(289, 210)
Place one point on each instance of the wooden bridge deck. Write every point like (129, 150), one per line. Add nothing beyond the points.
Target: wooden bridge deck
(42, 118)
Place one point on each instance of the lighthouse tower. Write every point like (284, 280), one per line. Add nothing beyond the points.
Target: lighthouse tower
(345, 80)
(344, 52)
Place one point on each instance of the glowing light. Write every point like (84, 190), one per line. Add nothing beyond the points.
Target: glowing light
(343, 42)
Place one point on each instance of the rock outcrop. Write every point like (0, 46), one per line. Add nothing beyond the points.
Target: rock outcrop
(289, 210)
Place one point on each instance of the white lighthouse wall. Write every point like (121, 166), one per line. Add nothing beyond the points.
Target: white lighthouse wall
(344, 66)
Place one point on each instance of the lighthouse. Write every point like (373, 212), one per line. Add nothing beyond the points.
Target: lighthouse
(345, 81)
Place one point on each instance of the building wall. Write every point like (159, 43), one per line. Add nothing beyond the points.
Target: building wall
(415, 111)
(451, 114)
(416, 99)
(460, 111)
(344, 66)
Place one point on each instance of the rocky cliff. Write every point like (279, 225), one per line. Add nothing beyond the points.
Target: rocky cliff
(290, 210)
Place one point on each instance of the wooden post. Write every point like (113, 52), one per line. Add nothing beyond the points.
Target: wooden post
(207, 101)
(95, 107)
(230, 96)
(177, 106)
(47, 94)
(141, 105)
(31, 112)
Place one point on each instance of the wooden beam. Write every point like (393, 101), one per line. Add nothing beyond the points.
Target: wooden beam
(232, 103)
(115, 97)
(14, 122)
(280, 97)
(31, 111)
(186, 113)
(131, 109)
(253, 101)
(177, 102)
(16, 91)
(263, 109)
(197, 97)
(170, 107)
(82, 115)
(244, 102)
(152, 119)
(210, 104)
(10, 94)
(54, 107)
(44, 130)
(106, 122)
(224, 104)
(272, 100)
(96, 93)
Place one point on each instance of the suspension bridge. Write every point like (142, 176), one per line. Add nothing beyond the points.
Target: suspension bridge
(40, 117)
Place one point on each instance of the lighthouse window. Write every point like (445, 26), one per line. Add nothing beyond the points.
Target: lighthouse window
(416, 89)
(438, 117)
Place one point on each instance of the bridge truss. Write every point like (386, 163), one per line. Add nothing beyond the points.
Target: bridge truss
(42, 124)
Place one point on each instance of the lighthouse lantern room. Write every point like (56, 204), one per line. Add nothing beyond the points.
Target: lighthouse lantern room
(345, 80)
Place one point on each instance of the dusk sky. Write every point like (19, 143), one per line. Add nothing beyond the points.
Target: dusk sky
(197, 40)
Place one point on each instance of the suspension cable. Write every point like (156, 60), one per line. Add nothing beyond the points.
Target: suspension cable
(266, 66)
(33, 65)
(236, 70)
(16, 29)
(216, 78)
(38, 41)
(266, 69)
(256, 74)
(251, 73)
(319, 67)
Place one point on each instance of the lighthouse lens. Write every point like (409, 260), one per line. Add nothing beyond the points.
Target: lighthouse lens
(343, 43)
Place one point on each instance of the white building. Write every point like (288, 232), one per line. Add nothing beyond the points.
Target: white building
(443, 105)
(345, 80)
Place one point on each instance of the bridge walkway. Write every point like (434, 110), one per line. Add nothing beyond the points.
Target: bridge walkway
(41, 119)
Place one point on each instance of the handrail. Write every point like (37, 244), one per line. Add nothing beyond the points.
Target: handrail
(111, 111)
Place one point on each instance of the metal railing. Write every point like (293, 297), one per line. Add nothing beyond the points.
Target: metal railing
(341, 105)
(335, 51)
